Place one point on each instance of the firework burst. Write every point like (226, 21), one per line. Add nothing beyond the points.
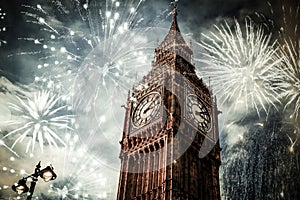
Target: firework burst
(240, 65)
(69, 31)
(102, 83)
(288, 77)
(41, 117)
(288, 73)
(101, 88)
(92, 52)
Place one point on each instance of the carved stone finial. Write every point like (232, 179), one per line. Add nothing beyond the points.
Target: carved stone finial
(174, 25)
(175, 9)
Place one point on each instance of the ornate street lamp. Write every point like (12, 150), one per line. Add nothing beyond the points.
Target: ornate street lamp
(47, 174)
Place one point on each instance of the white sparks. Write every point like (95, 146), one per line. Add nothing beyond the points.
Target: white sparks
(241, 65)
(288, 77)
(42, 20)
(291, 147)
(85, 6)
(41, 118)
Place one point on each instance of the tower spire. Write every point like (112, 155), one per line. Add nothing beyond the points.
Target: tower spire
(175, 9)
(173, 42)
(174, 25)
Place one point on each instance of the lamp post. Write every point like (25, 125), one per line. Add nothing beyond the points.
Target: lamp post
(47, 174)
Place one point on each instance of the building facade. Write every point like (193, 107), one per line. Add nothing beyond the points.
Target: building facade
(169, 146)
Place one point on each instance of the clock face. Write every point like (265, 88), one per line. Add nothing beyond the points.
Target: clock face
(198, 113)
(146, 110)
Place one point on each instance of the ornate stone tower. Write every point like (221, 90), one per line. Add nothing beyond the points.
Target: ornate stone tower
(170, 147)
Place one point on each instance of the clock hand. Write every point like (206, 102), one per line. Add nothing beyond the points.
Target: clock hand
(199, 113)
(150, 107)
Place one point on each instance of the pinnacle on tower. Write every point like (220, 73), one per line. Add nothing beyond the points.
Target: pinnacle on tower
(174, 25)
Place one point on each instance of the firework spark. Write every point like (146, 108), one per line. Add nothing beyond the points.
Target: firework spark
(40, 117)
(70, 31)
(102, 85)
(2, 28)
(91, 60)
(85, 50)
(79, 174)
(240, 65)
(81, 177)
(288, 73)
(2, 143)
(288, 77)
(290, 19)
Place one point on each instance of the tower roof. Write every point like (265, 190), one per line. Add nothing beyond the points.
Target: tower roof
(174, 41)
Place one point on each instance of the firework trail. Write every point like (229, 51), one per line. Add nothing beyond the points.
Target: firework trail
(69, 31)
(2, 143)
(289, 22)
(270, 155)
(102, 83)
(288, 72)
(2, 28)
(91, 60)
(288, 77)
(91, 52)
(41, 117)
(101, 88)
(240, 65)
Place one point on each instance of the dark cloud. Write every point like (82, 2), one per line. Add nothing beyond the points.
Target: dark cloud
(194, 17)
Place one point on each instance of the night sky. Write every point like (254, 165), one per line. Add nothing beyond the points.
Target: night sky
(194, 17)
(46, 46)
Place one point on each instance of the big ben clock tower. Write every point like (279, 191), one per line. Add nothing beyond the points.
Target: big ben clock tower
(169, 147)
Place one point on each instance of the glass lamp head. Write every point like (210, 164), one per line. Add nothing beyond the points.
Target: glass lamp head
(48, 174)
(20, 187)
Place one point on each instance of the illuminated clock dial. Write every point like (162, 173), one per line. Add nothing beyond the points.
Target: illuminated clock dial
(146, 110)
(198, 113)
